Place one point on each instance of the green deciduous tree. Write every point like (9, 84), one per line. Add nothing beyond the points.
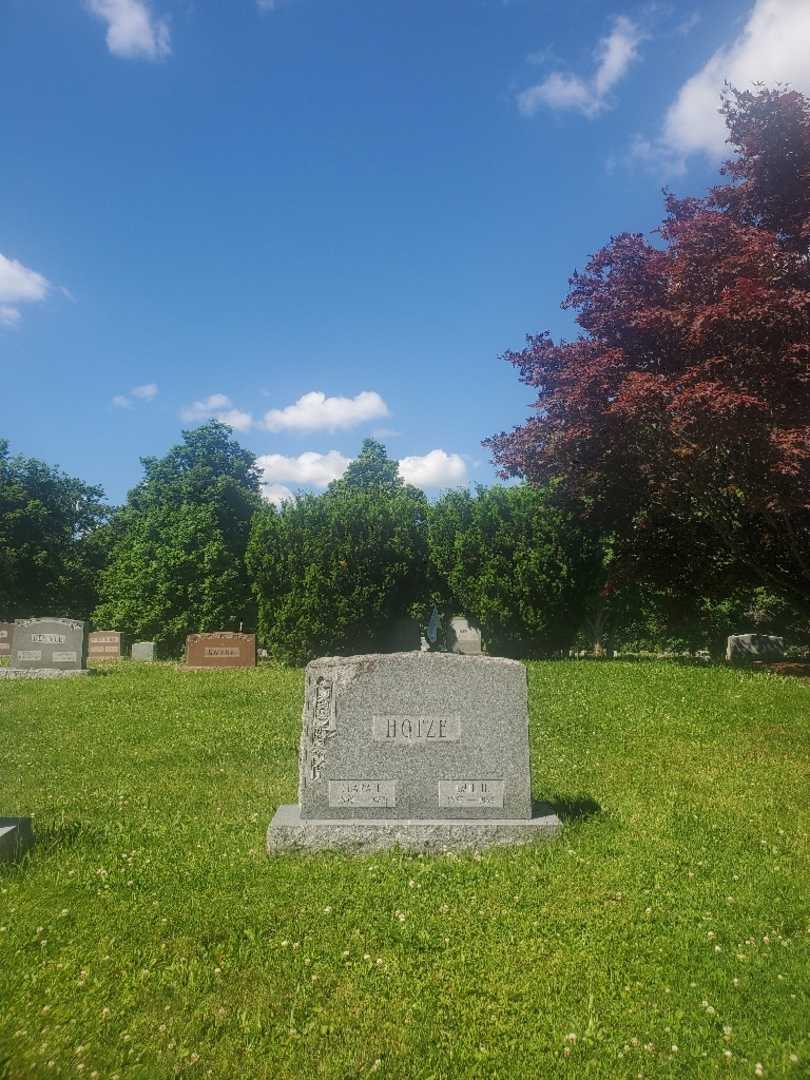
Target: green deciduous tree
(177, 563)
(522, 568)
(331, 572)
(51, 549)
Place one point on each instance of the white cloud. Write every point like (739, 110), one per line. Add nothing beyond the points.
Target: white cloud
(134, 32)
(561, 90)
(773, 47)
(436, 469)
(308, 468)
(277, 494)
(317, 412)
(143, 393)
(218, 407)
(18, 285)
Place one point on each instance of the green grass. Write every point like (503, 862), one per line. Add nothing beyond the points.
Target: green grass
(149, 935)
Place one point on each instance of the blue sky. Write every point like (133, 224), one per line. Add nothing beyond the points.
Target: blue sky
(327, 220)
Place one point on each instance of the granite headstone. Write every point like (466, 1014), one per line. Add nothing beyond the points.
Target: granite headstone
(105, 645)
(49, 643)
(743, 648)
(463, 637)
(6, 638)
(420, 750)
(16, 837)
(143, 650)
(222, 650)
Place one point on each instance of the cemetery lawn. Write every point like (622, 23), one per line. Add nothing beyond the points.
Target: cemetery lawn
(666, 934)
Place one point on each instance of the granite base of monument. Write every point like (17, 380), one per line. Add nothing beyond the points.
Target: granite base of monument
(288, 831)
(16, 837)
(422, 751)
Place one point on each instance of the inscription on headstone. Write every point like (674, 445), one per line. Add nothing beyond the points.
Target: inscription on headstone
(223, 650)
(49, 643)
(6, 638)
(105, 645)
(365, 793)
(418, 749)
(471, 792)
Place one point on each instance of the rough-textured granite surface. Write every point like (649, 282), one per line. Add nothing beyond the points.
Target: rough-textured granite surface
(415, 735)
(16, 837)
(289, 832)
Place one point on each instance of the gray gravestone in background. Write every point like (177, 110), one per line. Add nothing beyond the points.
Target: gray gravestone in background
(143, 650)
(462, 637)
(6, 638)
(49, 643)
(424, 750)
(16, 837)
(741, 648)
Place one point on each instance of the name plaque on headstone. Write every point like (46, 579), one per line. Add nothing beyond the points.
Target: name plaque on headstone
(376, 793)
(49, 643)
(6, 636)
(223, 650)
(471, 792)
(418, 749)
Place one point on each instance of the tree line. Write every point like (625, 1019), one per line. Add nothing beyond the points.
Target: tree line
(664, 479)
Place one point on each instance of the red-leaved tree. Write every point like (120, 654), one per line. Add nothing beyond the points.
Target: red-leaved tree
(684, 407)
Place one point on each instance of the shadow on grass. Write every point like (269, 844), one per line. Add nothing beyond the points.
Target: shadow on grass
(574, 807)
(69, 835)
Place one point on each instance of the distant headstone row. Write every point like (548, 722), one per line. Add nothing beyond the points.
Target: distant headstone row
(63, 645)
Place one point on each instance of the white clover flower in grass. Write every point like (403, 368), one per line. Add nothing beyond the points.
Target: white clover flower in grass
(570, 1038)
(758, 1070)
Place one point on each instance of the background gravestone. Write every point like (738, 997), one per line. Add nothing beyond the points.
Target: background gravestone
(423, 750)
(143, 650)
(743, 648)
(6, 638)
(49, 643)
(462, 637)
(222, 650)
(105, 645)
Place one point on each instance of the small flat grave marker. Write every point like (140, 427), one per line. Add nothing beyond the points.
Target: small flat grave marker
(222, 650)
(420, 750)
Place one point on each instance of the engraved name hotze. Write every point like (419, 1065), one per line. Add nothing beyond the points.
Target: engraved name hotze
(323, 726)
(415, 729)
